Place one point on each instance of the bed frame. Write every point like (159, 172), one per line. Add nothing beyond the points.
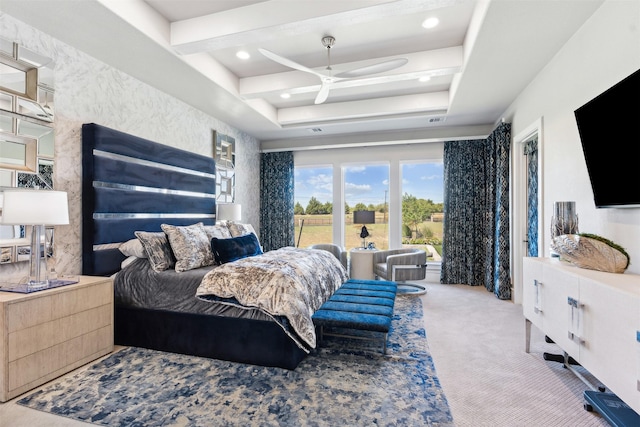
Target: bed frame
(129, 184)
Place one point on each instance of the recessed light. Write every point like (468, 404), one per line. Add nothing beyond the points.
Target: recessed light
(285, 95)
(430, 22)
(243, 55)
(424, 79)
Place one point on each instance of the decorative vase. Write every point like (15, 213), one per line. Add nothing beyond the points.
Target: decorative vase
(593, 254)
(564, 219)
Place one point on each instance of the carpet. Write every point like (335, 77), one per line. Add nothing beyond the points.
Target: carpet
(344, 383)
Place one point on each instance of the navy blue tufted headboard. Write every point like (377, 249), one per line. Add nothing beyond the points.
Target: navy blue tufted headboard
(129, 184)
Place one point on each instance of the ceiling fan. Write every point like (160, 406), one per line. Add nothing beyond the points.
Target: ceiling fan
(328, 79)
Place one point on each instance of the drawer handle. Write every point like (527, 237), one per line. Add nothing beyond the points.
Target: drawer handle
(574, 337)
(574, 302)
(536, 307)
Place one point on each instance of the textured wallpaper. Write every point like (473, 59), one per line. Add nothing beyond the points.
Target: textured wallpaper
(89, 91)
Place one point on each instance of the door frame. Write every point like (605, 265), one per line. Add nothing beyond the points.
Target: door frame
(519, 202)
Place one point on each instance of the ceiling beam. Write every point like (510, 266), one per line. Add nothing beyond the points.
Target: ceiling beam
(433, 63)
(258, 22)
(367, 109)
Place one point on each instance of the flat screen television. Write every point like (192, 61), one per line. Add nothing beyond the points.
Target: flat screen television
(609, 127)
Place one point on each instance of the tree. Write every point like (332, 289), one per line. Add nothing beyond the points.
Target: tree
(328, 208)
(347, 209)
(360, 207)
(298, 209)
(416, 211)
(314, 207)
(413, 212)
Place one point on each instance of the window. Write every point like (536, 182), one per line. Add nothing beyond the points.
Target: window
(313, 205)
(366, 187)
(422, 205)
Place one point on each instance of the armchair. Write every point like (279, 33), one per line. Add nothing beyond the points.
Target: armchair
(400, 265)
(336, 250)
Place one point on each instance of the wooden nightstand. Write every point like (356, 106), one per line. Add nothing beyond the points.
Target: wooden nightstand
(49, 333)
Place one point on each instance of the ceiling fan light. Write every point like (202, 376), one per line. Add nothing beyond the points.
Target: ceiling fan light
(243, 54)
(430, 22)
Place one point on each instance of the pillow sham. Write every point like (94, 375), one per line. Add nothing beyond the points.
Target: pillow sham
(134, 248)
(190, 245)
(157, 249)
(238, 229)
(221, 231)
(235, 248)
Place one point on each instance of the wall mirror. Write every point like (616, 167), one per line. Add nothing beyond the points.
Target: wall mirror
(26, 136)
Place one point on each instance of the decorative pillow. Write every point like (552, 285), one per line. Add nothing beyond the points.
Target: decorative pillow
(238, 229)
(235, 248)
(157, 249)
(190, 246)
(133, 248)
(221, 231)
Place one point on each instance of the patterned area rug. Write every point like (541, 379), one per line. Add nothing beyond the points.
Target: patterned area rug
(345, 383)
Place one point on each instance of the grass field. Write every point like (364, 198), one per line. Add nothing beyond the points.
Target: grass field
(379, 232)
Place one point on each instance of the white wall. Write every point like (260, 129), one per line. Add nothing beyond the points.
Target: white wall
(604, 51)
(88, 90)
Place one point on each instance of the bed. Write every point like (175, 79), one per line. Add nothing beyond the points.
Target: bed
(132, 186)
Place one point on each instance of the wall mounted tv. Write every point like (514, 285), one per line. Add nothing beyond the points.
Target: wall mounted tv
(609, 127)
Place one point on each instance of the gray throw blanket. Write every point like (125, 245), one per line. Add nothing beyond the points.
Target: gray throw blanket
(287, 282)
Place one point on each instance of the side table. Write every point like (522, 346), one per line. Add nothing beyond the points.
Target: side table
(48, 333)
(361, 264)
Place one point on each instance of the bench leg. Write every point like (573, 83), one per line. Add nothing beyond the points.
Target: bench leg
(384, 347)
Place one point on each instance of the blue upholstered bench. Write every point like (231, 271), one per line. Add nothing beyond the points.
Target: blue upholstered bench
(364, 305)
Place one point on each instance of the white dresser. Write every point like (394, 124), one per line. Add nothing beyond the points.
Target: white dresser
(593, 316)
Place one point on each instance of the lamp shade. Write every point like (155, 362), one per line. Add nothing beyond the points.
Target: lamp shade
(34, 207)
(229, 211)
(364, 217)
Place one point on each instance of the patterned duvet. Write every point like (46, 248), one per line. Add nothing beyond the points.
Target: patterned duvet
(287, 282)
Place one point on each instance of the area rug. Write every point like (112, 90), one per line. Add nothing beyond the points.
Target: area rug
(345, 383)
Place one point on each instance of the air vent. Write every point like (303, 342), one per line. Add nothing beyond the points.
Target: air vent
(436, 119)
(315, 130)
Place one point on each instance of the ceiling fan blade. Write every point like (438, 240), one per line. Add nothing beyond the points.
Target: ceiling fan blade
(288, 63)
(323, 94)
(381, 67)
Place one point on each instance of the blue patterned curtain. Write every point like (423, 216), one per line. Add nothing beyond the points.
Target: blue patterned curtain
(531, 151)
(476, 205)
(276, 200)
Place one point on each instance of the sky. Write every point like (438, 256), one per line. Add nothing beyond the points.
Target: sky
(367, 184)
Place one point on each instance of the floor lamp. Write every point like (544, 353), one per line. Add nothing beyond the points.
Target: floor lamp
(37, 208)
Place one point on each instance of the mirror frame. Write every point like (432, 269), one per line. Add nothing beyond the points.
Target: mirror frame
(38, 168)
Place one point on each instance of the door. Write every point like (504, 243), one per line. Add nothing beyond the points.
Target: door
(528, 239)
(531, 153)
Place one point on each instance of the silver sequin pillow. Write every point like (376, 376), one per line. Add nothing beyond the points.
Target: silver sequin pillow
(238, 229)
(157, 248)
(219, 231)
(190, 245)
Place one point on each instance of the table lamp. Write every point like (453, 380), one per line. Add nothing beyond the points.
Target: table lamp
(364, 217)
(229, 211)
(37, 208)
